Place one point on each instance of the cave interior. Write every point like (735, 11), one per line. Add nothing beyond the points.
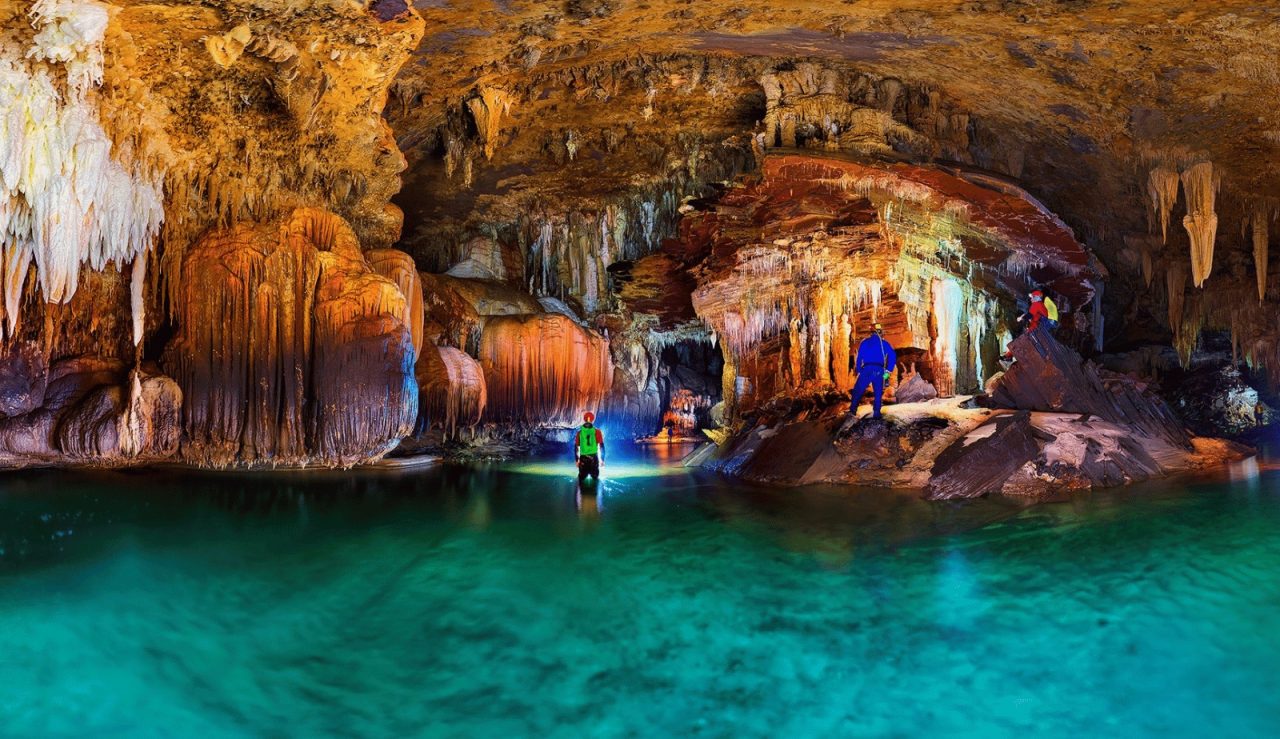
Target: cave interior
(276, 233)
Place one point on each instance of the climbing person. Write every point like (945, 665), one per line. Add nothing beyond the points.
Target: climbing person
(588, 444)
(1037, 318)
(876, 360)
(1037, 312)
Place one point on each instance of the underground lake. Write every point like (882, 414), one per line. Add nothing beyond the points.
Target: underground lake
(493, 599)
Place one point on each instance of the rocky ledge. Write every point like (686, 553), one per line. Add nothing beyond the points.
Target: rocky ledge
(1051, 423)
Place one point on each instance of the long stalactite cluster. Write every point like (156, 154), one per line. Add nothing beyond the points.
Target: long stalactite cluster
(69, 199)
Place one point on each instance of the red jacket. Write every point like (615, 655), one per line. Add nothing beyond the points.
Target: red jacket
(1038, 312)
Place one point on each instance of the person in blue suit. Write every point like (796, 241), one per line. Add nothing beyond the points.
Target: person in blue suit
(876, 359)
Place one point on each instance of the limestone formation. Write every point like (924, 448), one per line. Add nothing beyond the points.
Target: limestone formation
(291, 350)
(543, 369)
(451, 389)
(1201, 184)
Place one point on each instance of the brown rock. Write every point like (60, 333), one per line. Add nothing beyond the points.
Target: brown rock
(24, 374)
(543, 369)
(451, 389)
(1048, 376)
(983, 460)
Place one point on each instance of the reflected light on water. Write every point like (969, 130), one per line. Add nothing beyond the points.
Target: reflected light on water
(608, 470)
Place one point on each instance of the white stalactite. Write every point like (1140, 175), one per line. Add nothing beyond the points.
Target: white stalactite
(948, 308)
(1200, 183)
(66, 199)
(137, 297)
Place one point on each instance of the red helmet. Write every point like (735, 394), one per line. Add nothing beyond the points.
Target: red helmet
(1037, 294)
(588, 416)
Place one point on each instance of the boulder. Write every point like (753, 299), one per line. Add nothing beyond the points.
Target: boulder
(1048, 376)
(915, 389)
(24, 373)
(983, 459)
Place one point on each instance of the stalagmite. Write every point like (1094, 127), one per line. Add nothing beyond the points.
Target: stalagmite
(1162, 188)
(795, 353)
(840, 351)
(1200, 183)
(1260, 236)
(543, 369)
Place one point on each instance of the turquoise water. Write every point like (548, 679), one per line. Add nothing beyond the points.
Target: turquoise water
(489, 601)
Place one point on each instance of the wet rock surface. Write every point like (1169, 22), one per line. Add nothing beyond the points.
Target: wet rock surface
(982, 461)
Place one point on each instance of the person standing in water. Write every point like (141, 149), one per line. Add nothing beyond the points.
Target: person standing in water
(876, 359)
(588, 444)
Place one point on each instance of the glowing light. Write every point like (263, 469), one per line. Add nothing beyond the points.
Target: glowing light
(608, 471)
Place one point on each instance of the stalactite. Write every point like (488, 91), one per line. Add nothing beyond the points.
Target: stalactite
(488, 108)
(66, 198)
(1260, 236)
(543, 369)
(1175, 284)
(1162, 188)
(137, 297)
(948, 309)
(1187, 332)
(17, 262)
(1200, 183)
(1146, 247)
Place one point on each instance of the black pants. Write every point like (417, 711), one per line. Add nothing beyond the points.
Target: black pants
(588, 466)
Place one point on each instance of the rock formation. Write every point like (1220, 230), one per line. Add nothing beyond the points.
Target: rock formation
(543, 369)
(291, 350)
(1057, 426)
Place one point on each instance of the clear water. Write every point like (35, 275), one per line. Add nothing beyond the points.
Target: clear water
(489, 602)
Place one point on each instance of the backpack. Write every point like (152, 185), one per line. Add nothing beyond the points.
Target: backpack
(587, 440)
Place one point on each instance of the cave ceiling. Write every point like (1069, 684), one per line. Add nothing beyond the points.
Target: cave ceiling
(1076, 100)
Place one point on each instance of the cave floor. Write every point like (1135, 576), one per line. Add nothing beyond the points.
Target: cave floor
(493, 599)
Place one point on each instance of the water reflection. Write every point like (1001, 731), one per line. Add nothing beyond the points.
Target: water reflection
(46, 513)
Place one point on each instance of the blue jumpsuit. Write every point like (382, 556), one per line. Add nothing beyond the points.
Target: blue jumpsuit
(875, 357)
